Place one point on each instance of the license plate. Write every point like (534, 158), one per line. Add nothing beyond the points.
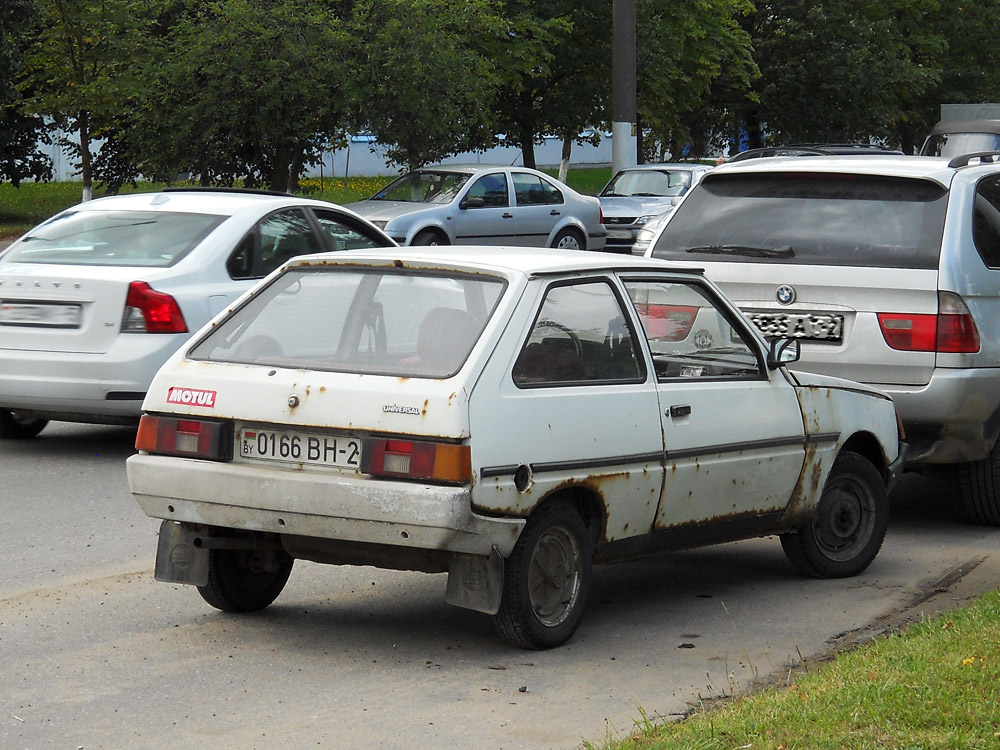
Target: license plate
(53, 315)
(301, 448)
(619, 234)
(813, 326)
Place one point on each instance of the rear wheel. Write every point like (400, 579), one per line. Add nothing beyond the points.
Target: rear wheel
(244, 580)
(980, 489)
(849, 524)
(16, 424)
(546, 579)
(569, 239)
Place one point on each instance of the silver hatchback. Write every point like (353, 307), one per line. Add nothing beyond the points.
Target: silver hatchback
(887, 268)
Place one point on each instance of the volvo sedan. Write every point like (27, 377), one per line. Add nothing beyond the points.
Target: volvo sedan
(510, 417)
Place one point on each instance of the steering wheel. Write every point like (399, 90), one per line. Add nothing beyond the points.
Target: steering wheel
(573, 337)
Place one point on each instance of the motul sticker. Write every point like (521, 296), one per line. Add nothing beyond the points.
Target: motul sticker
(191, 397)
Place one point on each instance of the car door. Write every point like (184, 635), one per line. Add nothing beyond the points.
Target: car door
(484, 215)
(540, 206)
(732, 430)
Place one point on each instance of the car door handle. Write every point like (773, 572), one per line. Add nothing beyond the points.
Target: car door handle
(553, 212)
(679, 410)
(507, 216)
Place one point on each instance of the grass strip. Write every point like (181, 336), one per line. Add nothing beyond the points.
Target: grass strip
(934, 685)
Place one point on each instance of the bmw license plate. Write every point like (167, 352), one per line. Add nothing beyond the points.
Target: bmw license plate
(812, 326)
(52, 315)
(300, 448)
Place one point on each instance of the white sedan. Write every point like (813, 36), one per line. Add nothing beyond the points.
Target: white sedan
(95, 299)
(508, 416)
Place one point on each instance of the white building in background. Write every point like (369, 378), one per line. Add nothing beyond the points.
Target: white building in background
(363, 158)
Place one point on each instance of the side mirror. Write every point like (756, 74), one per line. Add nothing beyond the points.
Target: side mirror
(472, 202)
(782, 352)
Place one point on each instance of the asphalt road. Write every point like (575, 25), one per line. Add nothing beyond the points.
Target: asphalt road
(95, 654)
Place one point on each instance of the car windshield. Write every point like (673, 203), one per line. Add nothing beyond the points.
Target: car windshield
(648, 182)
(113, 238)
(809, 218)
(950, 145)
(347, 319)
(423, 186)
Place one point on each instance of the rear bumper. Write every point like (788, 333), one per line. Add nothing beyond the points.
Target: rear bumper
(314, 504)
(955, 418)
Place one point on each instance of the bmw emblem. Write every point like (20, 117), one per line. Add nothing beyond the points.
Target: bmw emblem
(785, 294)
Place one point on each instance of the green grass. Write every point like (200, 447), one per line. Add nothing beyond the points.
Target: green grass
(934, 685)
(24, 207)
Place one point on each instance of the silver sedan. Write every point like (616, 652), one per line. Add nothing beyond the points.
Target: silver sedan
(485, 205)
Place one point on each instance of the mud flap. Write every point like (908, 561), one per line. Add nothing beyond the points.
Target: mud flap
(178, 560)
(475, 582)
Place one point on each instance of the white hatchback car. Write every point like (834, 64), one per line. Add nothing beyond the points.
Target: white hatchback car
(508, 416)
(95, 299)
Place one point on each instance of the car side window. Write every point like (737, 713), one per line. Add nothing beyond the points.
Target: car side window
(689, 335)
(986, 221)
(492, 188)
(340, 235)
(275, 239)
(581, 336)
(532, 190)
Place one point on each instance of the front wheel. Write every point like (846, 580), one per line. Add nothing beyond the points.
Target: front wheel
(18, 425)
(569, 239)
(244, 580)
(546, 579)
(429, 237)
(848, 526)
(979, 484)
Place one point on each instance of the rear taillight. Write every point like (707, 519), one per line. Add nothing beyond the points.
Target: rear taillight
(412, 459)
(150, 311)
(667, 322)
(952, 330)
(194, 438)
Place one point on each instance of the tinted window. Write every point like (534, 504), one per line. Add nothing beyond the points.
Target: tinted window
(532, 190)
(689, 335)
(342, 236)
(986, 221)
(357, 320)
(824, 219)
(277, 238)
(114, 238)
(580, 336)
(492, 188)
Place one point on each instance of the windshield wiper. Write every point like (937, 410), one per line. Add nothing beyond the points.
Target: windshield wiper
(783, 251)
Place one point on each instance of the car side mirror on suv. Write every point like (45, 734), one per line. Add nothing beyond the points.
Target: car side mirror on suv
(782, 352)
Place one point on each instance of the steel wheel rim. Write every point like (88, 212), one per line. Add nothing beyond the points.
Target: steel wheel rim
(554, 575)
(845, 520)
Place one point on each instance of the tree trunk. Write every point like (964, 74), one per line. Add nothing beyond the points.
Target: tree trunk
(567, 150)
(295, 171)
(279, 169)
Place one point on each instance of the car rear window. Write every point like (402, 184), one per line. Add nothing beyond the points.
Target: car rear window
(809, 218)
(348, 319)
(114, 238)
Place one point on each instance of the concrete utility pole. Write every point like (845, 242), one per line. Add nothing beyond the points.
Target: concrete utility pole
(623, 149)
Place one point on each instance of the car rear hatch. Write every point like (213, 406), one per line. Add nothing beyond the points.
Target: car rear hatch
(847, 263)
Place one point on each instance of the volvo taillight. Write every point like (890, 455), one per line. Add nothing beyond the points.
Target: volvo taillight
(414, 459)
(192, 438)
(150, 311)
(951, 330)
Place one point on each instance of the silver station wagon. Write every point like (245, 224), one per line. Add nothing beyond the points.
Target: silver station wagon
(508, 416)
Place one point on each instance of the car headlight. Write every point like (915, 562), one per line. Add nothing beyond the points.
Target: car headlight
(644, 219)
(644, 236)
(380, 224)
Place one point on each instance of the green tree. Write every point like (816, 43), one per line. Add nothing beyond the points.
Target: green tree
(20, 133)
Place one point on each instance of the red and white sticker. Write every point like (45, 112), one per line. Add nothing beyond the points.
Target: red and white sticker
(191, 397)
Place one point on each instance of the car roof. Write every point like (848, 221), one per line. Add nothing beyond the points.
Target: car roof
(966, 126)
(687, 166)
(891, 165)
(200, 201)
(510, 261)
(814, 149)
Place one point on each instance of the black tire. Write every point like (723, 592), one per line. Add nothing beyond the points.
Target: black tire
(429, 237)
(569, 239)
(546, 579)
(979, 486)
(19, 425)
(849, 524)
(239, 582)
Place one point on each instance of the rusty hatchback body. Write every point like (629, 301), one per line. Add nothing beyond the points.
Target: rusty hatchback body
(508, 416)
